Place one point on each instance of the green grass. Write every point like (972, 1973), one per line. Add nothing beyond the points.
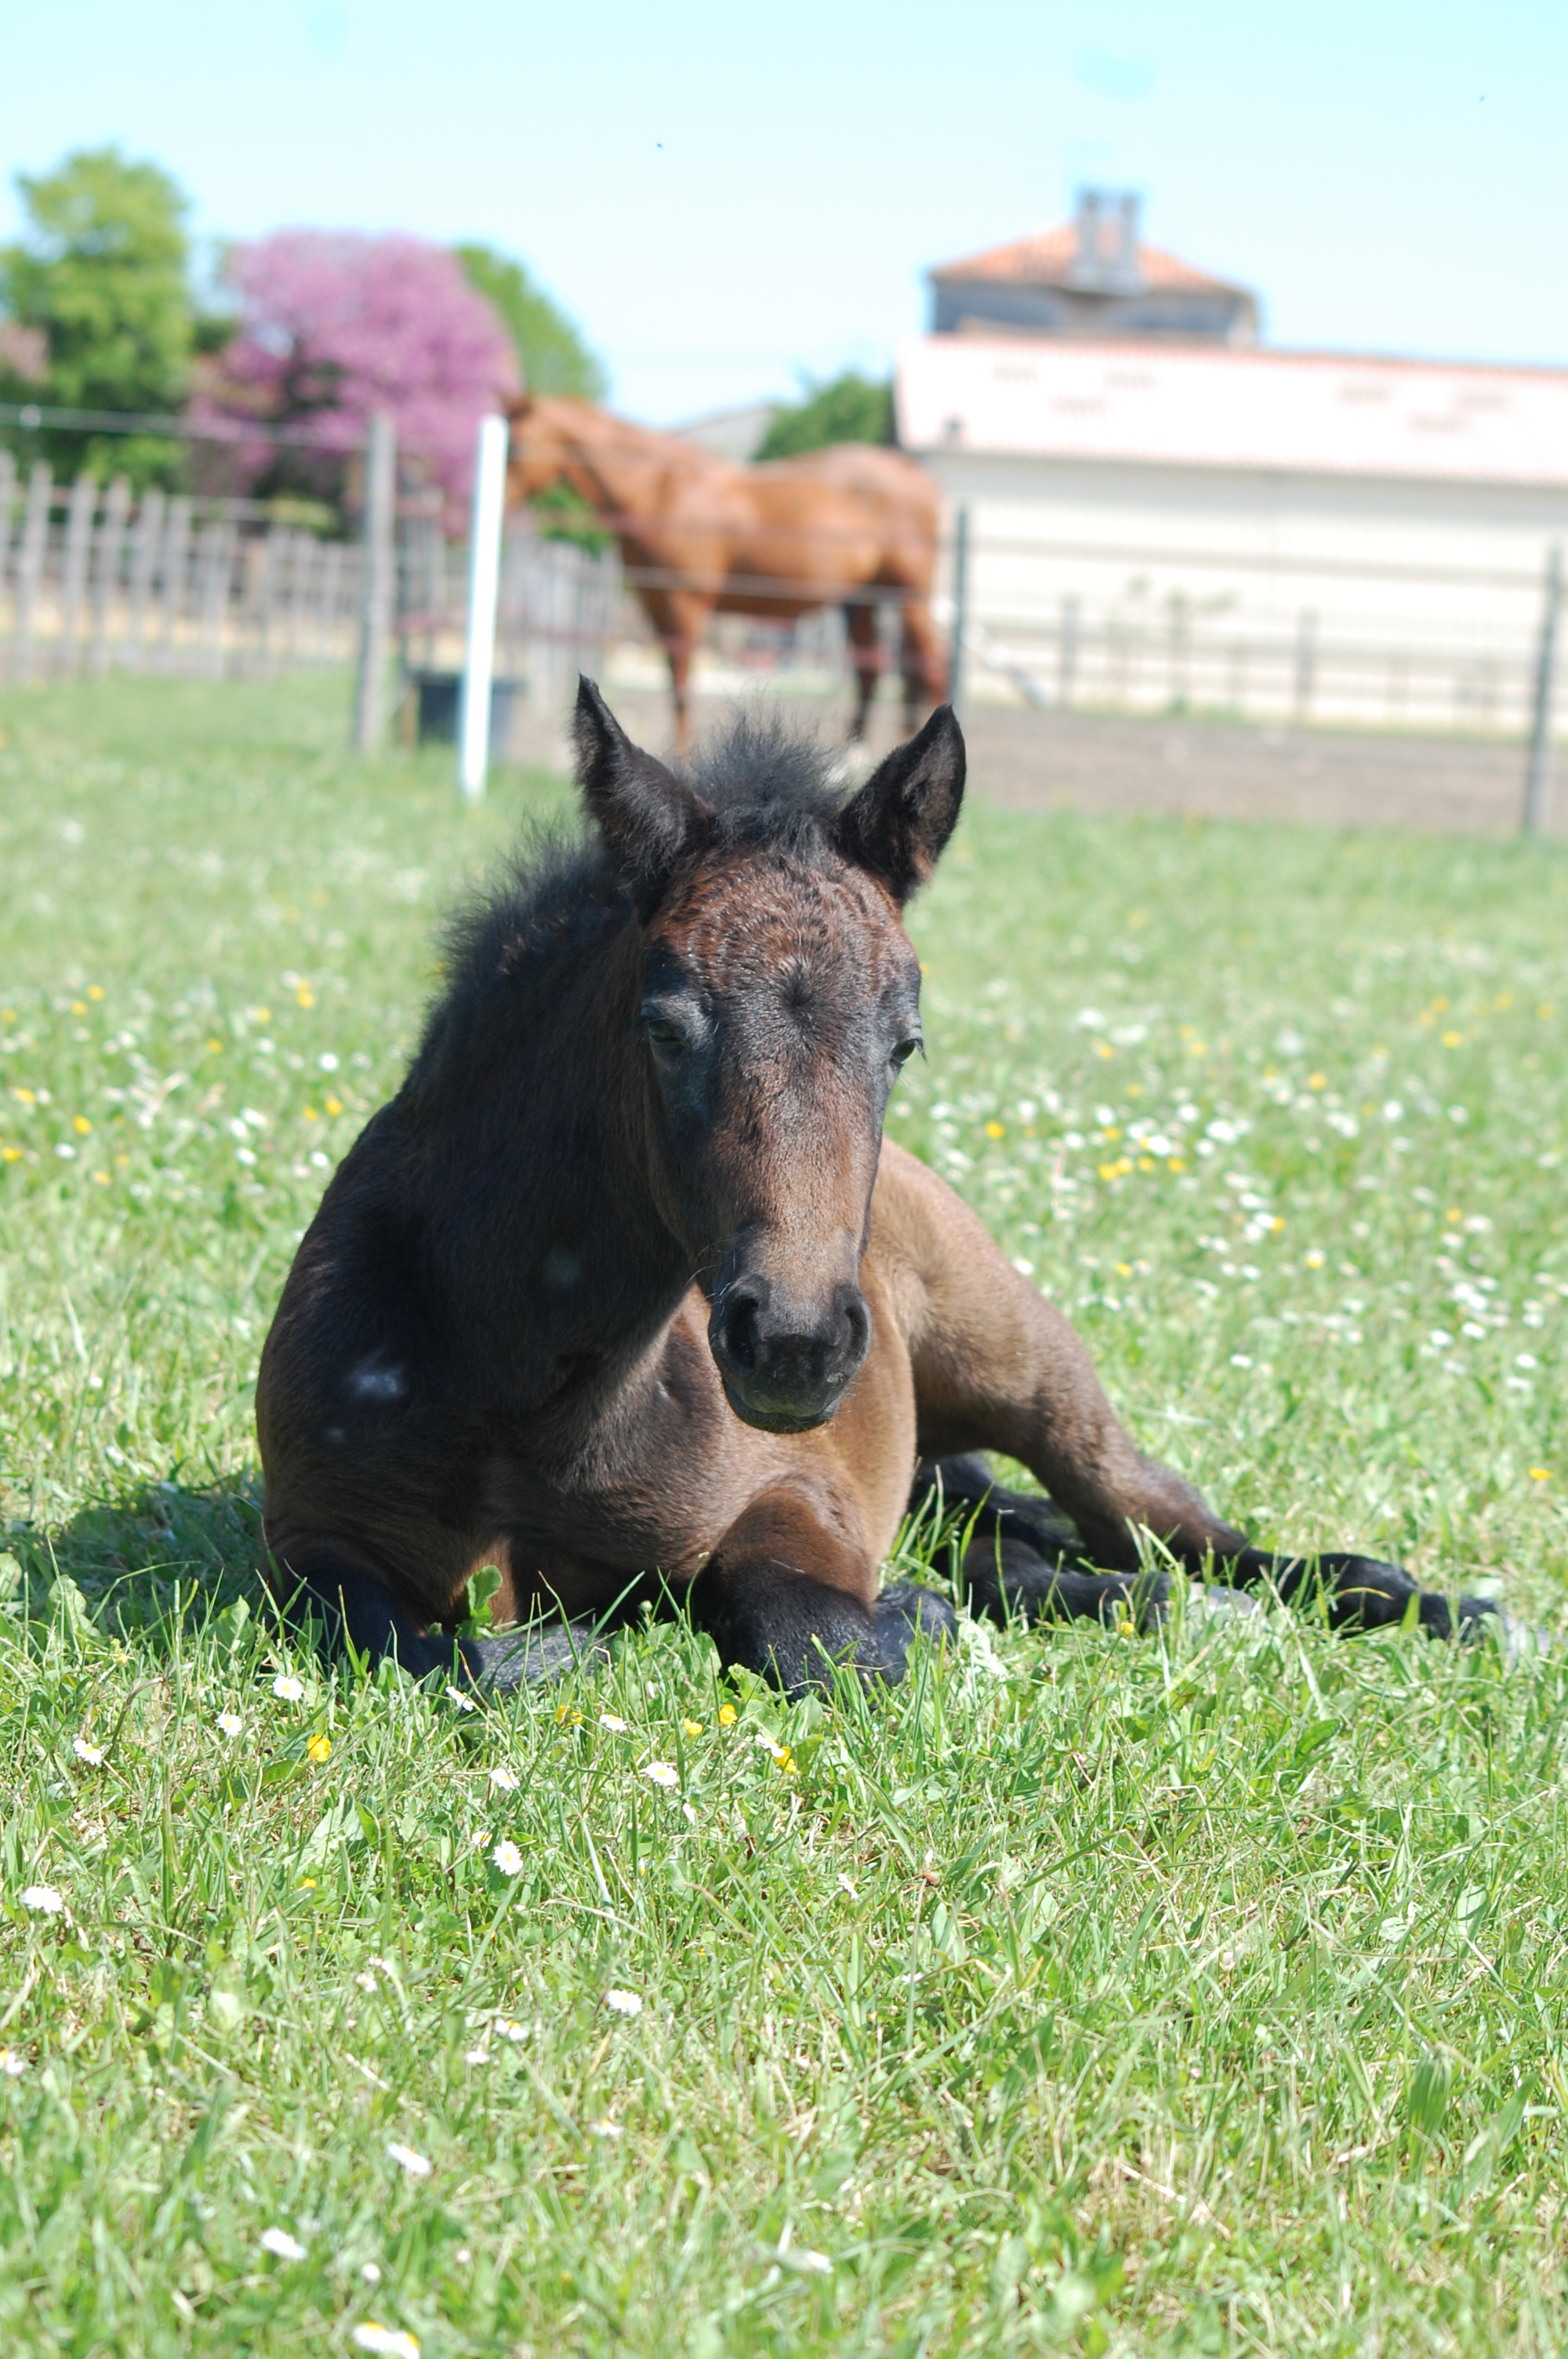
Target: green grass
(1196, 1993)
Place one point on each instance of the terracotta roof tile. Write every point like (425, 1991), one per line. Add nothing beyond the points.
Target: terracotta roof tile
(1045, 259)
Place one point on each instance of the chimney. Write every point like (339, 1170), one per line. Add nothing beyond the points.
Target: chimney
(1126, 263)
(1105, 261)
(1087, 261)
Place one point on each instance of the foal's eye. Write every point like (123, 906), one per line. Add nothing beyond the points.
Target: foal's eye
(904, 1051)
(666, 1037)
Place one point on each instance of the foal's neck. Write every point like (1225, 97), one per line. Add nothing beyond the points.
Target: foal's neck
(597, 1258)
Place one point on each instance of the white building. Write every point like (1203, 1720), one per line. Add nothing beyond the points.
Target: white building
(1208, 526)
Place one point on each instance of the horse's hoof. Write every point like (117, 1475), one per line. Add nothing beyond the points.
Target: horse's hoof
(532, 1658)
(902, 1612)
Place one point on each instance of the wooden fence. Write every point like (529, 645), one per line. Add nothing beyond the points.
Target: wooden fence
(92, 581)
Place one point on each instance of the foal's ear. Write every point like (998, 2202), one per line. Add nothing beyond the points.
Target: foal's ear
(898, 823)
(648, 817)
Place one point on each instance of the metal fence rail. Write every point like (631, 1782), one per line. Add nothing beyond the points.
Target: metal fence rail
(93, 580)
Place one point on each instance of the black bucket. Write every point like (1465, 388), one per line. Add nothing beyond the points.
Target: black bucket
(438, 697)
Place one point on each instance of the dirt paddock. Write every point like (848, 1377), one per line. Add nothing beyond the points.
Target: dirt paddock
(1094, 762)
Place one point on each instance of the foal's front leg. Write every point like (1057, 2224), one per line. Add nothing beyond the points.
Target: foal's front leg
(786, 1596)
(998, 1367)
(353, 1609)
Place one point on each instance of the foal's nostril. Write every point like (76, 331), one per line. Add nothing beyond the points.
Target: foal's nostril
(857, 1321)
(742, 1338)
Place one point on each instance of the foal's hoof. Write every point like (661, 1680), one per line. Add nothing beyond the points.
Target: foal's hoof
(899, 1613)
(531, 1657)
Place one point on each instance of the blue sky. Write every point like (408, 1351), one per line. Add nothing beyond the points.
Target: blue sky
(727, 197)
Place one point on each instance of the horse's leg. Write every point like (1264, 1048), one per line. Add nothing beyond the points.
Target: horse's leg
(865, 654)
(314, 1579)
(786, 1595)
(1022, 1554)
(356, 1610)
(998, 1367)
(925, 671)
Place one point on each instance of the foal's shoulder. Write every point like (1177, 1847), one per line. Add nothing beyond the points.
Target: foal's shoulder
(925, 1241)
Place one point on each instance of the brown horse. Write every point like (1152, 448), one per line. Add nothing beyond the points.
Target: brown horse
(625, 1295)
(699, 536)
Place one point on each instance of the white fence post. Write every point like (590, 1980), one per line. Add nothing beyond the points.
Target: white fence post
(484, 583)
(1538, 778)
(378, 583)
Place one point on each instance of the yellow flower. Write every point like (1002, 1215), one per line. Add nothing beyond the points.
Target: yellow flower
(96, 991)
(785, 1760)
(691, 1728)
(1541, 1473)
(727, 1715)
(1175, 1162)
(78, 1006)
(1317, 1080)
(305, 996)
(212, 1046)
(996, 1130)
(10, 1154)
(81, 1125)
(311, 1114)
(319, 1749)
(305, 1884)
(102, 1177)
(1453, 1040)
(1104, 1049)
(334, 1106)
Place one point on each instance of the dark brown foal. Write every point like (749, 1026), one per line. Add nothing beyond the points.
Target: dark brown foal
(624, 1294)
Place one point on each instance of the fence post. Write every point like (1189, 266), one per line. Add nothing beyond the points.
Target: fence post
(484, 583)
(375, 613)
(1538, 777)
(32, 558)
(960, 608)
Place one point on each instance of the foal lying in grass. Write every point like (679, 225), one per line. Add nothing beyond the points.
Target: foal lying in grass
(625, 1295)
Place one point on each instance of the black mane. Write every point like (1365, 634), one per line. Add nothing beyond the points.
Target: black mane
(771, 789)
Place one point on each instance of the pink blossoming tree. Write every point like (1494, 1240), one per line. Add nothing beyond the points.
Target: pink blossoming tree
(334, 325)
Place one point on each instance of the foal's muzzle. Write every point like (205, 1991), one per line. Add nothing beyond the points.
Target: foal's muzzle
(785, 1364)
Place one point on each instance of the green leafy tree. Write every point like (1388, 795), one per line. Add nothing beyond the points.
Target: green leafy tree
(848, 408)
(102, 275)
(551, 352)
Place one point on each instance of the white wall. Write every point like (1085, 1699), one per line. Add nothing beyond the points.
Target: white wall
(1385, 602)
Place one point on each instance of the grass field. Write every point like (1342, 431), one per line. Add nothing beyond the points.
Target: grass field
(1203, 1992)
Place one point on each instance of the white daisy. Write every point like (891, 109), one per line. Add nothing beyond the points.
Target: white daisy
(623, 2002)
(279, 2241)
(407, 2157)
(391, 2341)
